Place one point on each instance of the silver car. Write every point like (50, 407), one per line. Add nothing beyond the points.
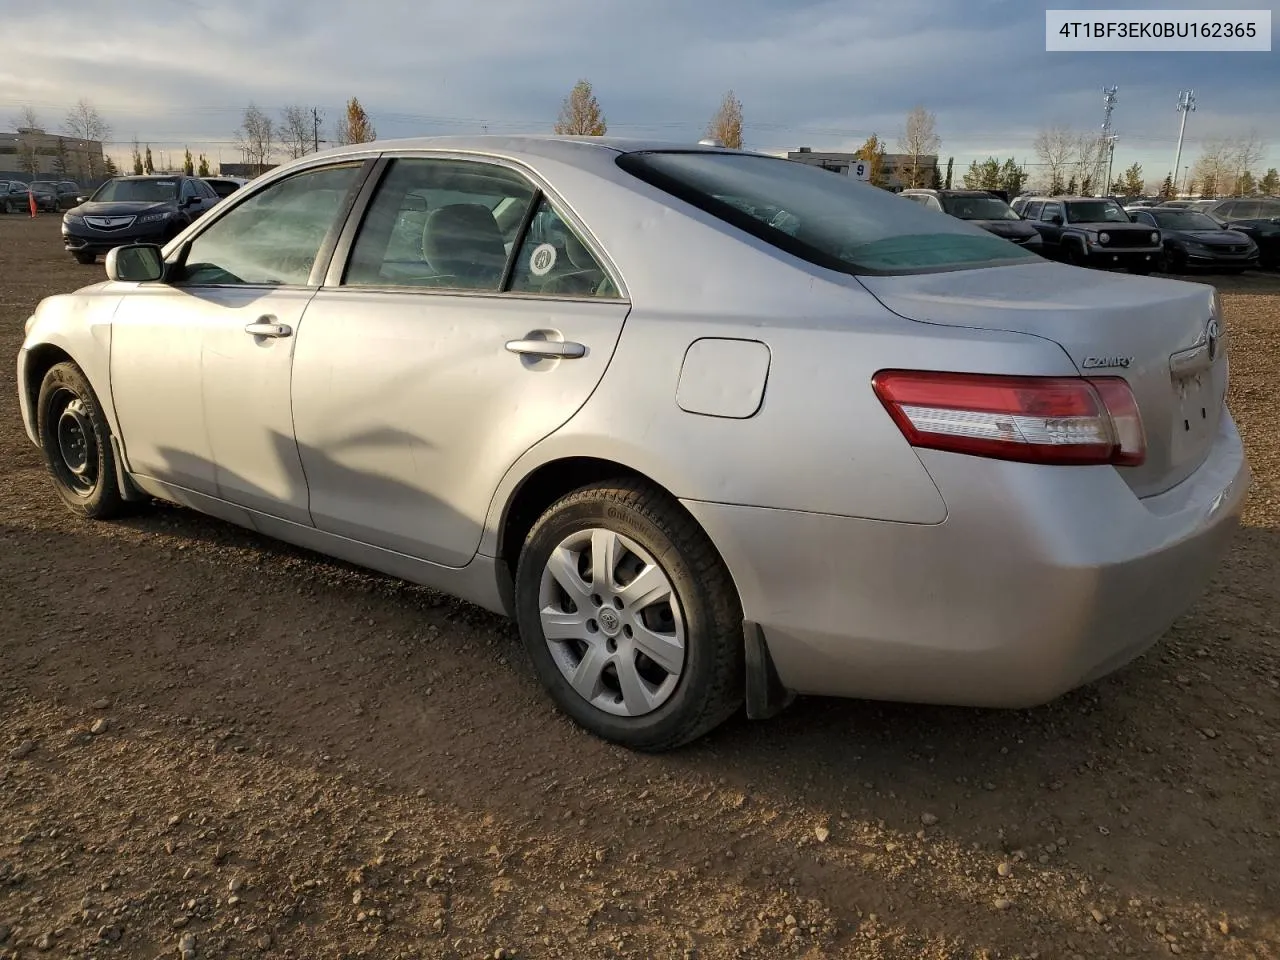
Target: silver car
(715, 428)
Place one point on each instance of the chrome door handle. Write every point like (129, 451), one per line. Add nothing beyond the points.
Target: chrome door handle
(267, 327)
(557, 349)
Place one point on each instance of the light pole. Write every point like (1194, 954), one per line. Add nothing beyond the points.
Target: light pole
(1186, 104)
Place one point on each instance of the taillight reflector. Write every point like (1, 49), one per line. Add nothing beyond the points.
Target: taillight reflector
(1050, 420)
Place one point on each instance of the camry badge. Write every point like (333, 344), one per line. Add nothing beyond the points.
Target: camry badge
(1104, 363)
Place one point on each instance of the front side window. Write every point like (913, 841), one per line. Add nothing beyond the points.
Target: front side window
(445, 224)
(1050, 211)
(553, 260)
(188, 189)
(832, 222)
(274, 236)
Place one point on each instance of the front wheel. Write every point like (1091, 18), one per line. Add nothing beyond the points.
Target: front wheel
(76, 442)
(84, 258)
(630, 617)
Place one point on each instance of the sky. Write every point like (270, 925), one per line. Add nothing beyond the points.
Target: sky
(813, 73)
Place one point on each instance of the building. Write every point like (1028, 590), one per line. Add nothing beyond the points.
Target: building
(30, 153)
(895, 166)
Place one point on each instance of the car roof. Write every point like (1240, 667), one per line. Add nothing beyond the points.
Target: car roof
(1058, 199)
(550, 146)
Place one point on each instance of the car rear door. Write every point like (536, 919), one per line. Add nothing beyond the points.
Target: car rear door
(201, 363)
(464, 319)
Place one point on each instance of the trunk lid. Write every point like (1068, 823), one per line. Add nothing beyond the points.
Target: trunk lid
(1154, 333)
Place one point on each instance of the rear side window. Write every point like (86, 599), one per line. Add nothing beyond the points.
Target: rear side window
(826, 219)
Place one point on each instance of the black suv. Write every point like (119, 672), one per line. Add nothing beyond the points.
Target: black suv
(1093, 232)
(983, 208)
(150, 209)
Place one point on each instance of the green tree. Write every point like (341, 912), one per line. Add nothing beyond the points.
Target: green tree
(188, 165)
(1012, 178)
(1133, 181)
(61, 163)
(137, 158)
(580, 114)
(1269, 185)
(935, 181)
(1166, 188)
(950, 164)
(148, 165)
(984, 175)
(1071, 187)
(726, 125)
(1117, 187)
(109, 167)
(203, 169)
(1246, 185)
(872, 151)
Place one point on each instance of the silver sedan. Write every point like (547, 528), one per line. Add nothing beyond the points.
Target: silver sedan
(715, 428)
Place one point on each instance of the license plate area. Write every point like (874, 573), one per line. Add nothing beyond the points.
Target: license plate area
(1195, 414)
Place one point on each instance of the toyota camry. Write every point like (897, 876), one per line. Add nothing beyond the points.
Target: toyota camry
(715, 428)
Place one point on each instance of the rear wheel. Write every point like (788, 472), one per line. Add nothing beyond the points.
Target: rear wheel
(76, 442)
(630, 617)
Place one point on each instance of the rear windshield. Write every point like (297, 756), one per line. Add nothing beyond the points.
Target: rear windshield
(978, 208)
(826, 218)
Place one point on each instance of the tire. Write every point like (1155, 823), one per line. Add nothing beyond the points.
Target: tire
(701, 621)
(66, 411)
(84, 258)
(1076, 255)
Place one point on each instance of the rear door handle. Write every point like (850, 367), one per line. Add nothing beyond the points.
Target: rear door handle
(267, 327)
(558, 349)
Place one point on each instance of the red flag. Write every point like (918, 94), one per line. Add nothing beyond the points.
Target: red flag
(31, 201)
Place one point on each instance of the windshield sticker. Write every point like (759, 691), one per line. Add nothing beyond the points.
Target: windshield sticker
(542, 260)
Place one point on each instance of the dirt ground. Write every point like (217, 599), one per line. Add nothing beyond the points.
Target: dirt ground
(212, 745)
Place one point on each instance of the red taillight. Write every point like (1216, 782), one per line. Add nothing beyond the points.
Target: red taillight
(1052, 420)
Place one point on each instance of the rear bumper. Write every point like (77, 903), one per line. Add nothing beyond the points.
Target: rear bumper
(1041, 579)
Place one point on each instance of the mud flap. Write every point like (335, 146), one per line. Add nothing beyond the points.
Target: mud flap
(128, 491)
(766, 696)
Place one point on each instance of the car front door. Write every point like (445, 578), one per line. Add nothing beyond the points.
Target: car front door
(468, 321)
(1050, 225)
(200, 363)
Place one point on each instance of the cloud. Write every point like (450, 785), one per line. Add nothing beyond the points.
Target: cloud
(823, 73)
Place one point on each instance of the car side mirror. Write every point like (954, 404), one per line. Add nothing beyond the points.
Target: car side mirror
(135, 263)
(82, 199)
(1056, 219)
(190, 201)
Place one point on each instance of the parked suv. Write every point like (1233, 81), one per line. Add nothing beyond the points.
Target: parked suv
(1093, 232)
(149, 209)
(982, 208)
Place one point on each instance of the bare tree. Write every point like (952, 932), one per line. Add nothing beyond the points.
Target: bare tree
(1087, 151)
(580, 113)
(1244, 153)
(1055, 146)
(1214, 169)
(28, 119)
(295, 130)
(254, 138)
(354, 126)
(84, 123)
(919, 140)
(726, 125)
